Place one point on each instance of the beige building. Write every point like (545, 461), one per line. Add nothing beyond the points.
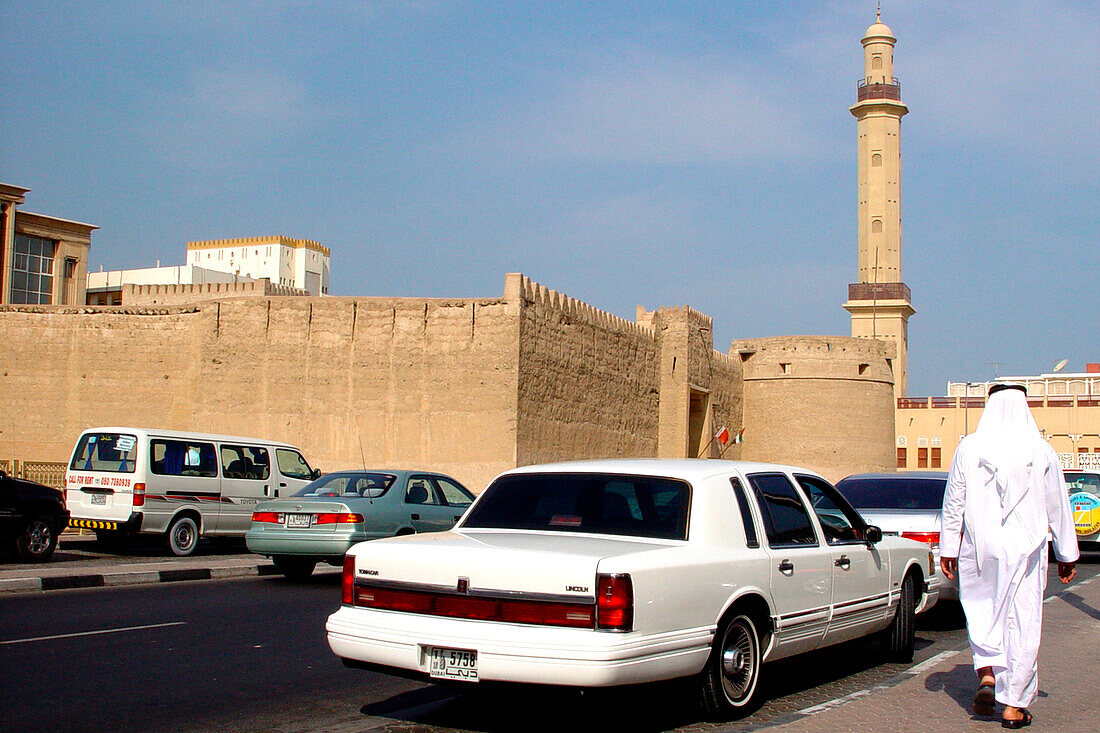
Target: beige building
(43, 259)
(1066, 408)
(292, 263)
(880, 302)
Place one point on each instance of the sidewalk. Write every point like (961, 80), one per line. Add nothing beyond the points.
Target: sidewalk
(938, 693)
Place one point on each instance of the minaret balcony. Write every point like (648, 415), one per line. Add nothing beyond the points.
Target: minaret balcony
(878, 90)
(879, 291)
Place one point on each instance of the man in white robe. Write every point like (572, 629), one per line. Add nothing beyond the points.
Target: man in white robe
(1004, 491)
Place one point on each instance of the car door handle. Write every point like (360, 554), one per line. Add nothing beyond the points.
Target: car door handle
(843, 562)
(416, 516)
(786, 566)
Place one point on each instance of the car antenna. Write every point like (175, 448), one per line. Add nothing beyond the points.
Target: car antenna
(363, 458)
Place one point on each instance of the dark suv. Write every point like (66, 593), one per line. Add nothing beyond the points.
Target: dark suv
(31, 516)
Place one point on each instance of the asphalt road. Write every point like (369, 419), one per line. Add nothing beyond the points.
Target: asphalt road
(250, 655)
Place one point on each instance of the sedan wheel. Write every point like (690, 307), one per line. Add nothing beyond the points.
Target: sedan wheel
(37, 541)
(897, 640)
(730, 678)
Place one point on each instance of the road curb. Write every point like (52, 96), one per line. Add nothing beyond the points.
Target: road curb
(141, 577)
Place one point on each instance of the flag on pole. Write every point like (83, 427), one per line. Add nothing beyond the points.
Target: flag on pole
(723, 435)
(740, 437)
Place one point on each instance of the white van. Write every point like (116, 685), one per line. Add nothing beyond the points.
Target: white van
(121, 481)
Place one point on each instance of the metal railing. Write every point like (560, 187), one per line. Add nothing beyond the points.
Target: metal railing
(878, 90)
(42, 472)
(879, 291)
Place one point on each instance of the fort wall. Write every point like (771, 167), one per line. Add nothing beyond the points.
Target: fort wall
(823, 402)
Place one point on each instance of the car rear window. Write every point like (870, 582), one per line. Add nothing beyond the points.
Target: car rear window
(633, 506)
(893, 492)
(372, 485)
(105, 452)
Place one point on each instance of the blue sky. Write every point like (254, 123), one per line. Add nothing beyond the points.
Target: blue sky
(642, 153)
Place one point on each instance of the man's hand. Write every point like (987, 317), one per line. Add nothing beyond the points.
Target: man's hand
(950, 567)
(1067, 571)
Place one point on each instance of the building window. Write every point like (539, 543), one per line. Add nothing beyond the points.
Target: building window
(901, 458)
(876, 226)
(876, 62)
(876, 160)
(32, 274)
(922, 458)
(936, 458)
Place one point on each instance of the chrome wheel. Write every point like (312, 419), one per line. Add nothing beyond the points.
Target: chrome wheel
(740, 660)
(39, 537)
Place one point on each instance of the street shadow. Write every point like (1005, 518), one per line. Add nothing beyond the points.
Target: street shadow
(959, 684)
(1079, 603)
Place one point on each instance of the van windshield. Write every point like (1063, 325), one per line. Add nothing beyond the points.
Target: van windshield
(114, 452)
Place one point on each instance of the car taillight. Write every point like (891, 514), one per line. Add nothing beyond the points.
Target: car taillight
(334, 518)
(268, 517)
(477, 608)
(347, 581)
(614, 602)
(928, 538)
(139, 494)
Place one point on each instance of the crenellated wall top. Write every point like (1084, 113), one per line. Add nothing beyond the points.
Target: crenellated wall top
(518, 287)
(255, 241)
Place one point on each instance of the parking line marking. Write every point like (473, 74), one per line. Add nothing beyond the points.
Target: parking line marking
(91, 633)
(931, 661)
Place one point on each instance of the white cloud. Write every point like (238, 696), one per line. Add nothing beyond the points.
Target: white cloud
(641, 109)
(219, 118)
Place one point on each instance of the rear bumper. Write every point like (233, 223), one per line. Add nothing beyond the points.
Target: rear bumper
(398, 643)
(129, 526)
(318, 545)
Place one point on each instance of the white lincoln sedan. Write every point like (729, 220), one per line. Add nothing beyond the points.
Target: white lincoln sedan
(617, 572)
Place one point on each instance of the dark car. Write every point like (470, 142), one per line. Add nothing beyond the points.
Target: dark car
(31, 517)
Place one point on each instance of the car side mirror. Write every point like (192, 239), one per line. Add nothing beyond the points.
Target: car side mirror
(872, 535)
(315, 474)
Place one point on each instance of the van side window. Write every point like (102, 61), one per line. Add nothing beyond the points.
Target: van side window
(182, 458)
(292, 465)
(245, 461)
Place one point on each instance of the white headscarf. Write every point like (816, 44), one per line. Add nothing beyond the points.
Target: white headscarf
(1007, 437)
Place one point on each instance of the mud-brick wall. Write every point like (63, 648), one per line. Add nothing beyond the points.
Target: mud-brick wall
(588, 383)
(64, 369)
(823, 402)
(389, 382)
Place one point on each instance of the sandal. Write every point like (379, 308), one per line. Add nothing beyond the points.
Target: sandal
(1019, 722)
(983, 701)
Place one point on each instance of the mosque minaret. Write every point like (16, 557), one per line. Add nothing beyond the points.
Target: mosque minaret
(880, 302)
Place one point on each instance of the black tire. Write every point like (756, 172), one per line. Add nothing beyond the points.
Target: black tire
(898, 638)
(729, 682)
(182, 536)
(297, 569)
(37, 539)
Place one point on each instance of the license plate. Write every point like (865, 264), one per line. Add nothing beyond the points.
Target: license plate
(453, 664)
(298, 520)
(99, 499)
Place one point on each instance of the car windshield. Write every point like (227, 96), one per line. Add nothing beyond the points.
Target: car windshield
(372, 485)
(635, 506)
(894, 492)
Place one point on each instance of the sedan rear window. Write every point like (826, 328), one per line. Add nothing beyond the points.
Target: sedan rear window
(633, 506)
(371, 485)
(893, 492)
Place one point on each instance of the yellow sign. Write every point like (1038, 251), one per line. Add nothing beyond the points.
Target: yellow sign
(1086, 513)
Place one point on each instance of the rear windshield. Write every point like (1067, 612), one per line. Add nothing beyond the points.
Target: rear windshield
(634, 506)
(373, 485)
(1089, 482)
(105, 452)
(894, 492)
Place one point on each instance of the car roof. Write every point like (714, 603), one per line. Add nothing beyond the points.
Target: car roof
(155, 433)
(898, 476)
(691, 469)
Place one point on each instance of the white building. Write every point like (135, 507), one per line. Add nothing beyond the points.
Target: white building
(297, 263)
(105, 287)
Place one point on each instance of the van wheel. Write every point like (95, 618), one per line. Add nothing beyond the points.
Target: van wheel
(297, 569)
(183, 536)
(729, 680)
(897, 639)
(37, 540)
